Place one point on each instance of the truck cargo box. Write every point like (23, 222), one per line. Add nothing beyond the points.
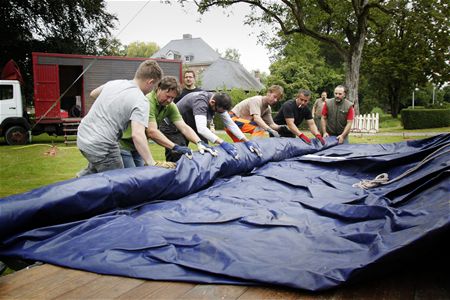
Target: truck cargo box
(72, 77)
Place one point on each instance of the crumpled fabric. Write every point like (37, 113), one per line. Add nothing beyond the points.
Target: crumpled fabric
(290, 217)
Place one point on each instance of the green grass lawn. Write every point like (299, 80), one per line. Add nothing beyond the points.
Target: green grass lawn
(378, 139)
(24, 168)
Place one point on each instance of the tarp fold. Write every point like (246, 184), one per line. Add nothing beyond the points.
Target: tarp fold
(292, 217)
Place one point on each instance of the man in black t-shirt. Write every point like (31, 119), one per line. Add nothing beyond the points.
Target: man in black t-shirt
(189, 85)
(292, 113)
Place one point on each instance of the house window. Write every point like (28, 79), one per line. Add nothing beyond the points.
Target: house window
(189, 58)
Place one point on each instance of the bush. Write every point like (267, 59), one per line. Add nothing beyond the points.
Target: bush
(387, 121)
(377, 110)
(385, 117)
(237, 95)
(439, 105)
(425, 118)
(368, 105)
(218, 124)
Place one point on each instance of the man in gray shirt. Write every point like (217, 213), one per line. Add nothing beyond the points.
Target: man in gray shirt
(117, 103)
(197, 110)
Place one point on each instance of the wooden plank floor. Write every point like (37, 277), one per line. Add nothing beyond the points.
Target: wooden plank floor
(52, 282)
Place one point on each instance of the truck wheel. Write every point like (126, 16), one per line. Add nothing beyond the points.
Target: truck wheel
(16, 135)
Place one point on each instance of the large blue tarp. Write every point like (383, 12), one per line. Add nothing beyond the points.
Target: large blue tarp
(290, 218)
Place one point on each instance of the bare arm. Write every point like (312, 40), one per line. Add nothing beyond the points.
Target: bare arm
(292, 127)
(312, 127)
(96, 92)
(260, 122)
(156, 135)
(187, 131)
(140, 142)
(346, 131)
(323, 121)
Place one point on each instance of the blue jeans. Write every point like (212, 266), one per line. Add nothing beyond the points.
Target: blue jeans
(99, 164)
(131, 158)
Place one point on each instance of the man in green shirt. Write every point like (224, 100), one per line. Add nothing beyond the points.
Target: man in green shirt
(161, 107)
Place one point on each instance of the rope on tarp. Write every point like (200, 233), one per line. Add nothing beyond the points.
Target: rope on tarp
(383, 178)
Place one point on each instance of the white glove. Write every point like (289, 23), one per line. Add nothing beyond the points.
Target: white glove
(202, 147)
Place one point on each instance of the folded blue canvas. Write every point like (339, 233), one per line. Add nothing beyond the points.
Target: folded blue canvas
(292, 217)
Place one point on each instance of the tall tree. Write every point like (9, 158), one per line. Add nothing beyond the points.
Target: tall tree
(408, 51)
(142, 49)
(298, 63)
(64, 26)
(112, 47)
(340, 24)
(232, 54)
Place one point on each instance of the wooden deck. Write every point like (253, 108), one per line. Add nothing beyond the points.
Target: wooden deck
(52, 282)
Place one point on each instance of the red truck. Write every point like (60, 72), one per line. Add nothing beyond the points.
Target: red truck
(62, 83)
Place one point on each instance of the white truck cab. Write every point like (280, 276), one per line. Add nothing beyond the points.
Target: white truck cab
(14, 126)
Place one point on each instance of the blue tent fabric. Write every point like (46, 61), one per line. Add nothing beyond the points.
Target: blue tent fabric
(290, 218)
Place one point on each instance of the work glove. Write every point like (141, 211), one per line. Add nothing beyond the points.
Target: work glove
(202, 147)
(253, 148)
(320, 138)
(305, 138)
(273, 132)
(230, 149)
(183, 150)
(165, 164)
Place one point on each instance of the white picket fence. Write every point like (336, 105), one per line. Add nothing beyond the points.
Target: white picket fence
(366, 123)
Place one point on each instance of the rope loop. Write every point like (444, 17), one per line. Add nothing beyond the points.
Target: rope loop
(383, 178)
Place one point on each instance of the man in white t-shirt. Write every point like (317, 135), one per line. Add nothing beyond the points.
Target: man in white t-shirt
(117, 103)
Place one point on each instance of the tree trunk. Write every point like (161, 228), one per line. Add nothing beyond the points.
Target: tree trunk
(394, 98)
(395, 106)
(352, 71)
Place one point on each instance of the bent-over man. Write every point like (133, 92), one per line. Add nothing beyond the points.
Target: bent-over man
(118, 103)
(162, 107)
(254, 115)
(197, 110)
(292, 113)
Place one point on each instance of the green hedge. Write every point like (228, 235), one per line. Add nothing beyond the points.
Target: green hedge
(425, 118)
(218, 124)
(237, 95)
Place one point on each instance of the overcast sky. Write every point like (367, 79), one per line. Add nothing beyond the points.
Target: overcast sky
(161, 23)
